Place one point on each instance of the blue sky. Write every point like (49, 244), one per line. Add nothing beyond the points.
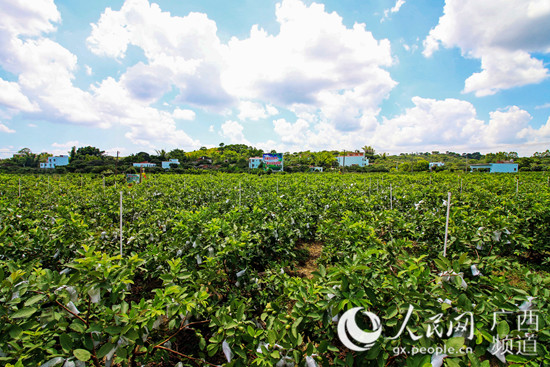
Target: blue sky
(289, 75)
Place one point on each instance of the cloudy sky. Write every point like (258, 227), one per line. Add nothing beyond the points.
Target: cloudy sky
(290, 75)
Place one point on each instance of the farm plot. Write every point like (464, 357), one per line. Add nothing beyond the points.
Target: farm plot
(260, 270)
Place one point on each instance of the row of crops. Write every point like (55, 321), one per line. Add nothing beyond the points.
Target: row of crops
(211, 269)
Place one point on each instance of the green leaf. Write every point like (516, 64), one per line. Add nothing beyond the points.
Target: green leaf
(452, 362)
(455, 343)
(441, 265)
(271, 337)
(474, 360)
(132, 334)
(516, 358)
(295, 326)
(486, 335)
(24, 313)
(392, 312)
(82, 354)
(104, 350)
(503, 329)
(240, 312)
(78, 326)
(15, 331)
(113, 330)
(66, 342)
(212, 349)
(322, 271)
(31, 301)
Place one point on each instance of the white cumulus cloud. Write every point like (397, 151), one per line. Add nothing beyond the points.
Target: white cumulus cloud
(233, 131)
(255, 111)
(429, 123)
(181, 51)
(394, 9)
(313, 53)
(20, 17)
(12, 97)
(5, 129)
(180, 114)
(314, 63)
(453, 124)
(504, 34)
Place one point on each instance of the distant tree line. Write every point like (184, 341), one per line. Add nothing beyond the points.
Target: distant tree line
(233, 158)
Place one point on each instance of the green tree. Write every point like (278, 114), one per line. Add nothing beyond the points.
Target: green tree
(178, 154)
(161, 155)
(72, 153)
(369, 151)
(88, 153)
(421, 166)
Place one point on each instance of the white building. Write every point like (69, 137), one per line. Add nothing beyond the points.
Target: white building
(254, 162)
(166, 165)
(144, 164)
(436, 164)
(353, 159)
(53, 162)
(499, 167)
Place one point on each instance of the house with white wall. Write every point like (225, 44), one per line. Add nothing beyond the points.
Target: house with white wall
(144, 164)
(166, 165)
(499, 167)
(436, 164)
(61, 160)
(353, 159)
(254, 162)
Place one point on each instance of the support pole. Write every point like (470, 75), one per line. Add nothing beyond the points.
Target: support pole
(391, 195)
(370, 184)
(116, 163)
(447, 225)
(121, 223)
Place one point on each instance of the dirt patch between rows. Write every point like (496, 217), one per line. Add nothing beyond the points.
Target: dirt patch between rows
(306, 269)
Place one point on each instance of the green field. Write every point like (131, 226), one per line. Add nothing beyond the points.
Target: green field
(256, 269)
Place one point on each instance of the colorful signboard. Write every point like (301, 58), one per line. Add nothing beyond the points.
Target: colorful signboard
(132, 178)
(273, 161)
